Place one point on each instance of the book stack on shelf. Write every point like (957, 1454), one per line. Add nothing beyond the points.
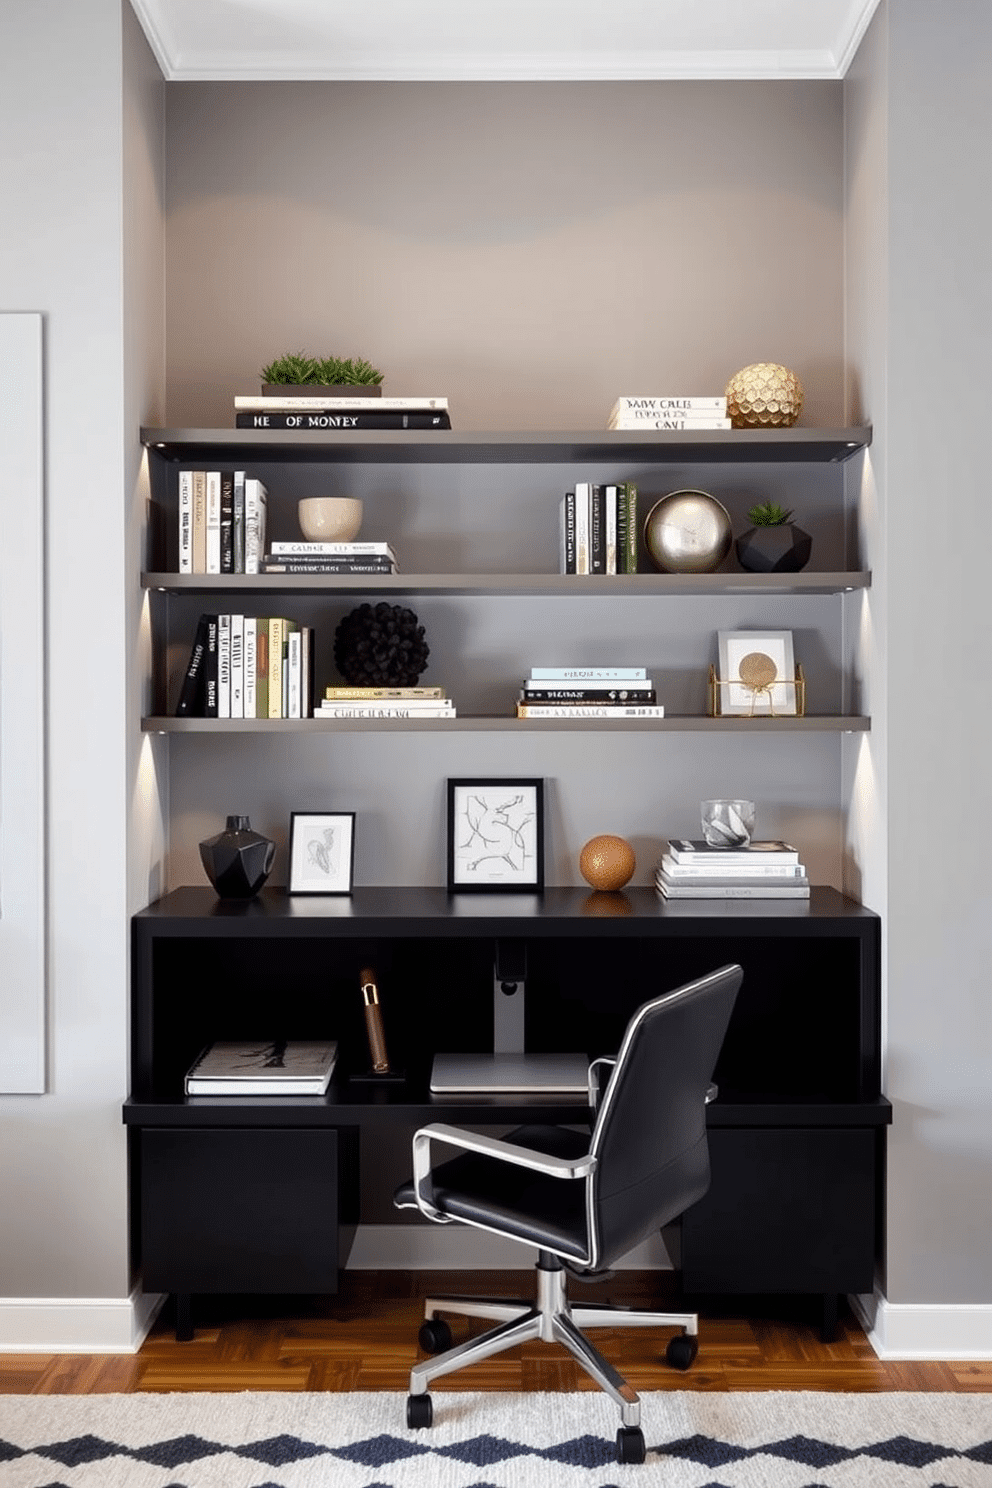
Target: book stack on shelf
(279, 1067)
(222, 522)
(764, 870)
(327, 414)
(330, 558)
(598, 529)
(673, 413)
(385, 702)
(245, 666)
(613, 693)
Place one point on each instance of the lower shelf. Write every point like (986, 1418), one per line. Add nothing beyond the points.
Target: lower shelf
(684, 723)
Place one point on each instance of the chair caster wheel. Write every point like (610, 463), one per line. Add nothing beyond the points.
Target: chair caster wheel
(419, 1411)
(681, 1350)
(630, 1444)
(434, 1336)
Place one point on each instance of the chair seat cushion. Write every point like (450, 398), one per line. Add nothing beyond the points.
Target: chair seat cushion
(528, 1206)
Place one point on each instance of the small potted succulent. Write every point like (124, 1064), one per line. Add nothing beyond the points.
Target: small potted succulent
(299, 374)
(773, 544)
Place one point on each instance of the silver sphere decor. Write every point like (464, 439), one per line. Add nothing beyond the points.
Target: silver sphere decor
(688, 532)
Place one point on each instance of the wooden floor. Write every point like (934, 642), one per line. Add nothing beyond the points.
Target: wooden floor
(365, 1338)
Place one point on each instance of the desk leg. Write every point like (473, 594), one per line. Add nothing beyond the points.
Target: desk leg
(184, 1317)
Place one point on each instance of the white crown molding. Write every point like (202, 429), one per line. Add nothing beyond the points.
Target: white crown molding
(853, 32)
(925, 1330)
(77, 1325)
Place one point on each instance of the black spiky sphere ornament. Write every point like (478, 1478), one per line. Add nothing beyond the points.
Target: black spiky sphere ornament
(380, 645)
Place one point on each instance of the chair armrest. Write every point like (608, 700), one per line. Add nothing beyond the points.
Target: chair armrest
(595, 1086)
(466, 1141)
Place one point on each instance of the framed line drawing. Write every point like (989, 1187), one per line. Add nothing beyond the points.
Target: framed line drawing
(496, 835)
(757, 672)
(321, 852)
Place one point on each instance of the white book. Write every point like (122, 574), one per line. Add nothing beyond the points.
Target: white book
(213, 521)
(251, 663)
(588, 674)
(293, 684)
(331, 705)
(295, 1067)
(256, 514)
(691, 872)
(237, 666)
(223, 666)
(330, 549)
(238, 521)
(696, 850)
(732, 890)
(583, 527)
(611, 529)
(667, 421)
(249, 403)
(185, 521)
(713, 406)
(403, 710)
(639, 684)
(615, 712)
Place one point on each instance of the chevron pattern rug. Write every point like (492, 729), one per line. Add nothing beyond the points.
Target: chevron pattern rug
(695, 1440)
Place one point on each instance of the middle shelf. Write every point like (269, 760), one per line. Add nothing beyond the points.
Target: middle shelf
(538, 584)
(684, 723)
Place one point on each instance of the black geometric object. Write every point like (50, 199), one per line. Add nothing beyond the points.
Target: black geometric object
(380, 645)
(784, 548)
(237, 861)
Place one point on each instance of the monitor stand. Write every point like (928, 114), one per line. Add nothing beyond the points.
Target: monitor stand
(508, 1068)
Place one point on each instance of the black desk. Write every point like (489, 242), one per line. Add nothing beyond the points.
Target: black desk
(262, 1195)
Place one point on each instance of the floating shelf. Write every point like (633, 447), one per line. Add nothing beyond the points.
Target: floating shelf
(561, 586)
(506, 723)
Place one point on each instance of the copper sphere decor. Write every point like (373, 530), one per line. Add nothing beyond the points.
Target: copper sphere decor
(607, 862)
(764, 396)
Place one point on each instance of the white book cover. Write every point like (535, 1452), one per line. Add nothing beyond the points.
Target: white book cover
(250, 664)
(331, 549)
(223, 666)
(611, 529)
(185, 521)
(213, 521)
(249, 403)
(276, 1067)
(333, 705)
(385, 710)
(294, 694)
(238, 521)
(583, 526)
(713, 405)
(666, 422)
(731, 890)
(615, 713)
(237, 666)
(588, 674)
(702, 871)
(256, 515)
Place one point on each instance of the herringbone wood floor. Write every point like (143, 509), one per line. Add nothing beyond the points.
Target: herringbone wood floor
(365, 1338)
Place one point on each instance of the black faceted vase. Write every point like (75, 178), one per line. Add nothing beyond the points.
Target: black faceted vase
(783, 548)
(237, 860)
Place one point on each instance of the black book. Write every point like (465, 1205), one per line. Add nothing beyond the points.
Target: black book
(191, 693)
(597, 529)
(345, 421)
(567, 533)
(209, 664)
(227, 521)
(618, 696)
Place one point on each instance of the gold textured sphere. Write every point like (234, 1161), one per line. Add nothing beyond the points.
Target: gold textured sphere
(607, 862)
(764, 396)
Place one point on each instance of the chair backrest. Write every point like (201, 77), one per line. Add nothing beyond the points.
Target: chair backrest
(650, 1132)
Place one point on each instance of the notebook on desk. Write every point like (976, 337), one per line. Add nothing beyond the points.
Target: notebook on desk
(500, 1074)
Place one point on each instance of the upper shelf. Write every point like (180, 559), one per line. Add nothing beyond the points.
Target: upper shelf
(489, 447)
(569, 586)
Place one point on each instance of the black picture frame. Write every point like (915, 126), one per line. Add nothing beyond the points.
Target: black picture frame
(321, 852)
(503, 816)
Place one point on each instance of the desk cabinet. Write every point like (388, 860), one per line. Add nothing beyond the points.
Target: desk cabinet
(796, 1131)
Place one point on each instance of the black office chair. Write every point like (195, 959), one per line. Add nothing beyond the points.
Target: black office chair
(646, 1162)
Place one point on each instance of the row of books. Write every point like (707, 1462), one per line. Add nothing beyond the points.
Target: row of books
(598, 529)
(614, 693)
(277, 1067)
(222, 522)
(692, 869)
(330, 558)
(669, 413)
(343, 414)
(385, 702)
(243, 666)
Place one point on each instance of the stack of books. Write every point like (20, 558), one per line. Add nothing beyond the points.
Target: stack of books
(669, 413)
(245, 666)
(598, 529)
(764, 870)
(222, 520)
(282, 1067)
(613, 693)
(385, 702)
(330, 558)
(325, 413)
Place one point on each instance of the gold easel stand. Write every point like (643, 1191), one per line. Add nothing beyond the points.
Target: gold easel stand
(716, 683)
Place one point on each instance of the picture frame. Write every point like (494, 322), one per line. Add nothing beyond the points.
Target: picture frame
(321, 852)
(495, 835)
(770, 698)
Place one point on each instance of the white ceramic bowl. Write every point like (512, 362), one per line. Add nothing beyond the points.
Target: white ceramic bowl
(330, 518)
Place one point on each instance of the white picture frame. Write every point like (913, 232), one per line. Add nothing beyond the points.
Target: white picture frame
(495, 835)
(321, 852)
(779, 697)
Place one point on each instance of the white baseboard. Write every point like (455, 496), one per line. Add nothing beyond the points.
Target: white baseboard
(925, 1330)
(458, 1248)
(76, 1325)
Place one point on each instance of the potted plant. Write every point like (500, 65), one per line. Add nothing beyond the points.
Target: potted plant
(773, 543)
(299, 374)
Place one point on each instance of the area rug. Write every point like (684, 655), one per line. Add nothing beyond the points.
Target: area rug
(695, 1440)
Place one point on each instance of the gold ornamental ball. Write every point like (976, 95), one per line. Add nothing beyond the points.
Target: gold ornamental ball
(607, 862)
(764, 396)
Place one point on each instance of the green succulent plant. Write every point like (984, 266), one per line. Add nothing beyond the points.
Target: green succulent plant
(768, 514)
(302, 370)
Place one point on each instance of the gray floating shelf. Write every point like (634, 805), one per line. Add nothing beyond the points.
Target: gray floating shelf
(562, 586)
(505, 723)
